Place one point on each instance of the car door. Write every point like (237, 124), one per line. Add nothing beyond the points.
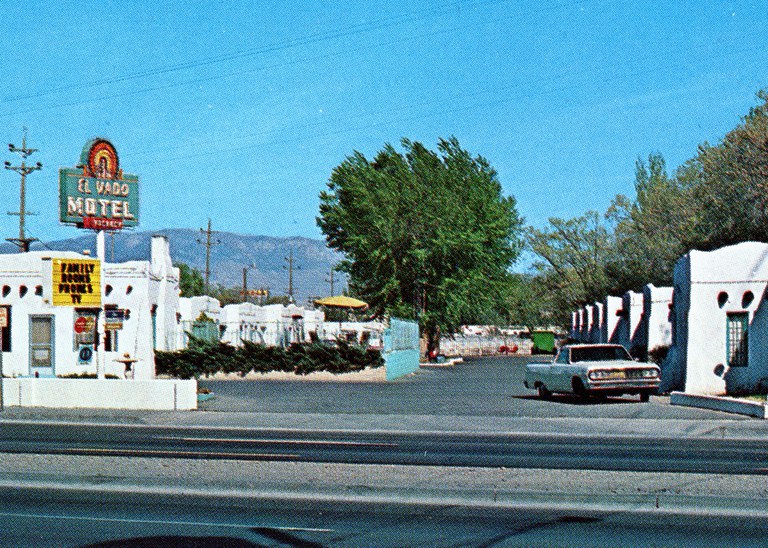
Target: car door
(560, 372)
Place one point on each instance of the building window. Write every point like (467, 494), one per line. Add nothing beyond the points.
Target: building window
(39, 290)
(747, 299)
(22, 290)
(722, 298)
(6, 290)
(107, 290)
(738, 339)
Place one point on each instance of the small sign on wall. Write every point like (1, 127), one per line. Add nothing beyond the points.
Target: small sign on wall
(85, 355)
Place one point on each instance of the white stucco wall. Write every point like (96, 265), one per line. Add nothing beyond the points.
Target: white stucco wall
(629, 332)
(708, 287)
(575, 327)
(586, 327)
(165, 394)
(612, 307)
(596, 333)
(657, 325)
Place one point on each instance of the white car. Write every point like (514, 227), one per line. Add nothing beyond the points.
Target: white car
(593, 369)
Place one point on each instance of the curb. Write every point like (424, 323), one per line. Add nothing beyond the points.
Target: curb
(720, 403)
(649, 503)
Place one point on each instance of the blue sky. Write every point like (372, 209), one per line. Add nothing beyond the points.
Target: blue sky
(238, 111)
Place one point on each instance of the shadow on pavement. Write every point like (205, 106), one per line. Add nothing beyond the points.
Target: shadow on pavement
(570, 399)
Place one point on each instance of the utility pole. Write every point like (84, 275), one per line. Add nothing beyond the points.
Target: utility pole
(331, 279)
(208, 243)
(22, 241)
(290, 269)
(245, 282)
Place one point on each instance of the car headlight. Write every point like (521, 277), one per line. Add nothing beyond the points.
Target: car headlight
(598, 374)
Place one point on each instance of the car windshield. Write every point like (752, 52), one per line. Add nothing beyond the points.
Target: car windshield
(599, 354)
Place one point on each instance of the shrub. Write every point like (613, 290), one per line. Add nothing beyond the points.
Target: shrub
(203, 357)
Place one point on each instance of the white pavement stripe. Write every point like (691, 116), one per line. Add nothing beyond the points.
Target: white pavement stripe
(277, 441)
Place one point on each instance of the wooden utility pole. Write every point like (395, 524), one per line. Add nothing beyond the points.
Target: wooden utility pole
(22, 241)
(331, 279)
(290, 269)
(208, 243)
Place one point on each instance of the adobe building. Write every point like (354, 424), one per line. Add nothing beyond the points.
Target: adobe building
(720, 322)
(55, 302)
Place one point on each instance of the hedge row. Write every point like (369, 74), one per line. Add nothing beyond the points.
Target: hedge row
(206, 358)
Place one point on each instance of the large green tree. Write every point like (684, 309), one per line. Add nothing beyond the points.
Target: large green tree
(572, 258)
(650, 230)
(424, 233)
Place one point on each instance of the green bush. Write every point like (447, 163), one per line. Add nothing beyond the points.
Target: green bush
(203, 357)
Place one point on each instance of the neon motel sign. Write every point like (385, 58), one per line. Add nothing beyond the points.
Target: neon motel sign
(97, 194)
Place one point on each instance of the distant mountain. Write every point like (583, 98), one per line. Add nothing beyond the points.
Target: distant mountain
(311, 258)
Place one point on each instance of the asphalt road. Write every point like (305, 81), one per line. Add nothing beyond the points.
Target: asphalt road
(76, 518)
(650, 454)
(486, 387)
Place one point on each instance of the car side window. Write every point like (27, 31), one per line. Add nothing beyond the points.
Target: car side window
(562, 357)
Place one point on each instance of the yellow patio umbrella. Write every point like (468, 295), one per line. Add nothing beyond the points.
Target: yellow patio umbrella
(341, 301)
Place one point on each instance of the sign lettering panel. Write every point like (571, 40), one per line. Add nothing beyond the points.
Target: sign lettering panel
(76, 282)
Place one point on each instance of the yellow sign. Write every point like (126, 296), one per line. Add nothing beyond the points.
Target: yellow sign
(76, 282)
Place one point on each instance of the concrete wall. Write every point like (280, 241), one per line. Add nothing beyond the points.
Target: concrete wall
(103, 394)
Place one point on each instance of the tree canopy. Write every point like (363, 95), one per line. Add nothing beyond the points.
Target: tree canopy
(719, 197)
(424, 233)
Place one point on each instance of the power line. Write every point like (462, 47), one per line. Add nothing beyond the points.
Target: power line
(452, 110)
(358, 28)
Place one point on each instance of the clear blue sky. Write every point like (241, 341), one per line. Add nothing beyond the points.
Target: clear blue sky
(239, 111)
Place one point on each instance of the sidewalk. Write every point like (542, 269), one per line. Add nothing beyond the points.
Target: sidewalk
(737, 428)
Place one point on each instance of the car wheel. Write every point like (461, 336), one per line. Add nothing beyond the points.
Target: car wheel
(544, 393)
(578, 388)
(645, 396)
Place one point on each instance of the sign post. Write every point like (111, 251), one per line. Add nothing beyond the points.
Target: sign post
(3, 323)
(95, 195)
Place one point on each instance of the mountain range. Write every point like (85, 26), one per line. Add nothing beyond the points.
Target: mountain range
(230, 253)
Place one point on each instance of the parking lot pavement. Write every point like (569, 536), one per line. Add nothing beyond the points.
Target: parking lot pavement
(480, 395)
(483, 387)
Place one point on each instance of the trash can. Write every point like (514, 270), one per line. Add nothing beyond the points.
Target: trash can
(543, 342)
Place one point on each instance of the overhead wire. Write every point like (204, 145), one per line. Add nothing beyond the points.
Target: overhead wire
(351, 30)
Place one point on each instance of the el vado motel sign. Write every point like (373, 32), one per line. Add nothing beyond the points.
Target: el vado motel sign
(97, 194)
